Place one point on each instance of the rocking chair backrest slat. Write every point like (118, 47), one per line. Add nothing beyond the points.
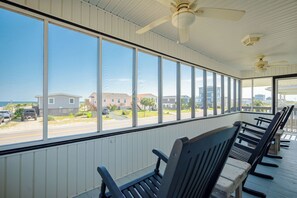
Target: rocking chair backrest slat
(195, 165)
(289, 112)
(267, 137)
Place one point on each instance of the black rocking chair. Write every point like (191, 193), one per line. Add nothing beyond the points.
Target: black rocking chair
(192, 170)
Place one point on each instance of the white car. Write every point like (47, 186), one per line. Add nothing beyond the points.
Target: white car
(6, 114)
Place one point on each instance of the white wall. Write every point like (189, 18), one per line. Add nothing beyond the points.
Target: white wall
(87, 15)
(68, 170)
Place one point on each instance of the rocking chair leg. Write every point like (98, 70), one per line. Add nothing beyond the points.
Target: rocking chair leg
(268, 164)
(254, 192)
(274, 156)
(261, 175)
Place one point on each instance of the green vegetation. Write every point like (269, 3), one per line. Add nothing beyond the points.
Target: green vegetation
(148, 102)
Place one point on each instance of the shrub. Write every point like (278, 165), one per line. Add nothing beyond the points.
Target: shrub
(71, 115)
(80, 113)
(18, 112)
(89, 115)
(126, 112)
(50, 118)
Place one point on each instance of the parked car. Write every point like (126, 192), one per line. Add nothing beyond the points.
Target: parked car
(105, 111)
(1, 118)
(6, 114)
(29, 113)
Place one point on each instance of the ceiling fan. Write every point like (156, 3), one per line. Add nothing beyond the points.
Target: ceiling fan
(184, 13)
(262, 65)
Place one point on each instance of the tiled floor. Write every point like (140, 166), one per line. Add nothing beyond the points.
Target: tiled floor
(283, 185)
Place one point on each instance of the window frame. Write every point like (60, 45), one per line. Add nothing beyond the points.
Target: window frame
(135, 47)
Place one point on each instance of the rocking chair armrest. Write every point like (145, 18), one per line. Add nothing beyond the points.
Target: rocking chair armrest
(257, 133)
(160, 155)
(268, 119)
(263, 120)
(253, 125)
(248, 138)
(109, 182)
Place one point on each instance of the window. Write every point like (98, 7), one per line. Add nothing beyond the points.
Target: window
(199, 97)
(219, 93)
(72, 71)
(226, 94)
(117, 83)
(147, 112)
(246, 100)
(21, 54)
(210, 93)
(51, 100)
(232, 89)
(257, 95)
(237, 95)
(185, 91)
(262, 95)
(169, 90)
(71, 100)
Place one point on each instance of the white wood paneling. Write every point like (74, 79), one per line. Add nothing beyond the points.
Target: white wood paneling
(68, 170)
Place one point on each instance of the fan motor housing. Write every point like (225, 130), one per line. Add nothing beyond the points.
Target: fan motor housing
(183, 18)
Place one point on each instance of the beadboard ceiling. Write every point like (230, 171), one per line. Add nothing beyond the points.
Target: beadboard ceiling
(219, 39)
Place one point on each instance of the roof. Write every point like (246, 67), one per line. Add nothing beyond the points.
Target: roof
(59, 94)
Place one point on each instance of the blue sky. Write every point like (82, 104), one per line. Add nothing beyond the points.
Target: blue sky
(72, 63)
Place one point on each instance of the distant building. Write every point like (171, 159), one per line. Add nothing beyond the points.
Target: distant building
(147, 95)
(59, 104)
(210, 95)
(121, 100)
(169, 102)
(260, 97)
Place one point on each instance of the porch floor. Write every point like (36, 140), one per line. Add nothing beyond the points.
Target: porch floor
(283, 185)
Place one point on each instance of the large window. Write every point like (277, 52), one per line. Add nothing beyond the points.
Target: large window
(262, 95)
(147, 97)
(199, 98)
(117, 64)
(246, 100)
(232, 89)
(210, 93)
(226, 94)
(169, 90)
(185, 91)
(72, 74)
(257, 95)
(21, 62)
(219, 93)
(70, 82)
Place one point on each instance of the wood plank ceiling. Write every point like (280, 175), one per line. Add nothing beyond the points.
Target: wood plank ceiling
(219, 39)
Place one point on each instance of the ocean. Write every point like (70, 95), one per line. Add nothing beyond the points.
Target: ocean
(4, 103)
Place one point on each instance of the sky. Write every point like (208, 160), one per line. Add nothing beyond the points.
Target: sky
(72, 64)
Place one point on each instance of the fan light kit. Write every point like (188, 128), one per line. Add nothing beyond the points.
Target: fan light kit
(184, 13)
(251, 39)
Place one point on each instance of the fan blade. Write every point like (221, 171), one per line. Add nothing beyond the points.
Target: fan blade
(167, 3)
(283, 62)
(153, 24)
(194, 5)
(184, 34)
(219, 13)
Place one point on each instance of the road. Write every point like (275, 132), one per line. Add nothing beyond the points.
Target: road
(31, 130)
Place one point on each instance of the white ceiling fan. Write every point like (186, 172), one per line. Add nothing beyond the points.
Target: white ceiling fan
(184, 13)
(262, 65)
